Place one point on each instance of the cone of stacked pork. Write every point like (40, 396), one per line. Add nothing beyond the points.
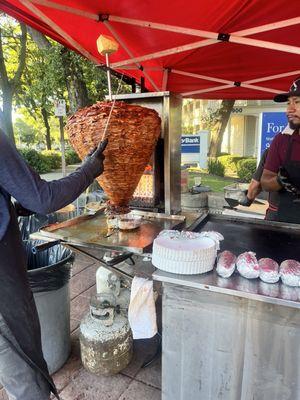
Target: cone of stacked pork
(132, 133)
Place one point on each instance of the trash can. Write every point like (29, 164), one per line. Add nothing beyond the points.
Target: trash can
(49, 275)
(34, 222)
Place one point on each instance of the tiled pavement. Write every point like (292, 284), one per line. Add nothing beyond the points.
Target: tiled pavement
(75, 383)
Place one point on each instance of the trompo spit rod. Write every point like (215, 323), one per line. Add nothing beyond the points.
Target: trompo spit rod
(108, 76)
(107, 45)
(111, 109)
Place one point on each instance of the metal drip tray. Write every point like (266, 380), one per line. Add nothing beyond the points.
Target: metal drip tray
(91, 231)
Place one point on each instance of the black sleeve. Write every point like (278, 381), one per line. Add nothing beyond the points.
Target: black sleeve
(33, 192)
(259, 170)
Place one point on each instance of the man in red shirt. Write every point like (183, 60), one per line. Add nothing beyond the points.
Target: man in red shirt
(281, 175)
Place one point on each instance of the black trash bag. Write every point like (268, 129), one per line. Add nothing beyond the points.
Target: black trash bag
(49, 269)
(34, 222)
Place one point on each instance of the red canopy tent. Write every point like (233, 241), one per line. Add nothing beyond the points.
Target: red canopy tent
(241, 49)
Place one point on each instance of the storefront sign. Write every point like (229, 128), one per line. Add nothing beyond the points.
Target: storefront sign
(194, 149)
(190, 144)
(272, 124)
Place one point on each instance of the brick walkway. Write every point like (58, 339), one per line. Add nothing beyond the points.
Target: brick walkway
(75, 383)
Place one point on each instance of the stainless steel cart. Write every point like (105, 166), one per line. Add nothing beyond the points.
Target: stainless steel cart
(233, 339)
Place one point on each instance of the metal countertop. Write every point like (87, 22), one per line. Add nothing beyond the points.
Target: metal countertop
(236, 285)
(276, 240)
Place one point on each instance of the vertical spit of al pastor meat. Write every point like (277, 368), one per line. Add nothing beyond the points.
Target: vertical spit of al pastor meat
(132, 135)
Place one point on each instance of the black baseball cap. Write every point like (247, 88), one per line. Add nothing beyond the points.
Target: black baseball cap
(293, 91)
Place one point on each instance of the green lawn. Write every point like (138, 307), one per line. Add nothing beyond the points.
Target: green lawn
(216, 183)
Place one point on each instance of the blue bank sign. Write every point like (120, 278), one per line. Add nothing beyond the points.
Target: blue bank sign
(194, 149)
(272, 124)
(190, 144)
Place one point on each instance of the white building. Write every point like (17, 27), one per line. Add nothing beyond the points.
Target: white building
(243, 133)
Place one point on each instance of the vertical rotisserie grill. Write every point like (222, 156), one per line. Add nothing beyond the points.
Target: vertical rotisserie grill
(132, 135)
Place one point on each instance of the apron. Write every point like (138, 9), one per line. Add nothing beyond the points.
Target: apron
(17, 305)
(288, 210)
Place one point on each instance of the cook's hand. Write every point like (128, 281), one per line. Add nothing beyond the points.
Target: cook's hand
(284, 181)
(21, 211)
(95, 159)
(244, 200)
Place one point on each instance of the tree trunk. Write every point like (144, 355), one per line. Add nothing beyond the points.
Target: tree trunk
(7, 115)
(47, 126)
(2, 121)
(40, 40)
(219, 127)
(10, 86)
(77, 90)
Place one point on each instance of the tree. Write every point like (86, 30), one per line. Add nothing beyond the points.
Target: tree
(49, 71)
(13, 38)
(68, 65)
(24, 132)
(41, 84)
(76, 86)
(85, 83)
(219, 121)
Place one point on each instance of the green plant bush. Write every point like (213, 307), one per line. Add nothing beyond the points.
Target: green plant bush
(72, 157)
(36, 160)
(54, 158)
(215, 167)
(230, 163)
(246, 168)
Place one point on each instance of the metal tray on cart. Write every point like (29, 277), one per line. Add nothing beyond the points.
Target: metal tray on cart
(91, 231)
(276, 240)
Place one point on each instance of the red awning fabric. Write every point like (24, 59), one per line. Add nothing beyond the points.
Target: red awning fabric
(238, 49)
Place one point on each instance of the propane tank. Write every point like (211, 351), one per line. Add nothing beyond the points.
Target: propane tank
(106, 343)
(110, 282)
(107, 282)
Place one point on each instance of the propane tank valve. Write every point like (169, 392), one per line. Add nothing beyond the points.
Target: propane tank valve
(102, 307)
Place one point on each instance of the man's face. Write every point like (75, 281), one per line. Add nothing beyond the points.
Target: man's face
(293, 112)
